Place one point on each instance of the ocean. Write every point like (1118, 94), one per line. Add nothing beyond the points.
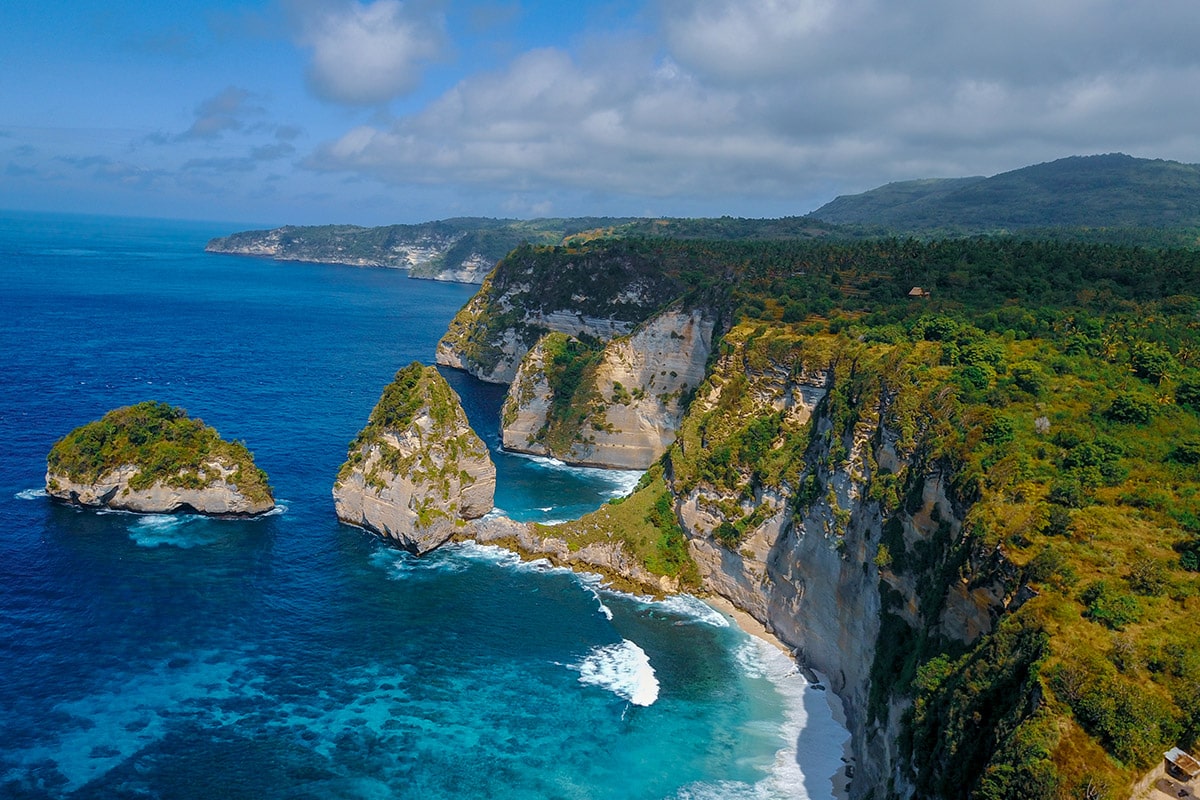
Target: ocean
(291, 656)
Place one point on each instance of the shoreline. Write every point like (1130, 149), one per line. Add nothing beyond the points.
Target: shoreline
(503, 532)
(840, 780)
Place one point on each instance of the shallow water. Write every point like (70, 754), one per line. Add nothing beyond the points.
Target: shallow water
(292, 656)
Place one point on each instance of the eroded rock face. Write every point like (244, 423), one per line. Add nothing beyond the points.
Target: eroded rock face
(417, 471)
(598, 294)
(630, 402)
(219, 497)
(809, 559)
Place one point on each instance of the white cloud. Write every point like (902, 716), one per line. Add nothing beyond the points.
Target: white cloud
(224, 111)
(737, 39)
(779, 99)
(369, 54)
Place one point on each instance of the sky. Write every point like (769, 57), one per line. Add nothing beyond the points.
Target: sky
(399, 111)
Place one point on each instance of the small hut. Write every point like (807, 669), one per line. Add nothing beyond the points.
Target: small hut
(917, 291)
(1181, 765)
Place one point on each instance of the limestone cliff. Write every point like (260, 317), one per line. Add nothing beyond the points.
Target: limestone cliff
(152, 458)
(977, 512)
(594, 293)
(417, 471)
(806, 499)
(620, 408)
(220, 495)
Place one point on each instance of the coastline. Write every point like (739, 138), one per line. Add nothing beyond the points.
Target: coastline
(520, 539)
(840, 780)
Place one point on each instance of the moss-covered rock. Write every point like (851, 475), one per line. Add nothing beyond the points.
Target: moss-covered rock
(417, 471)
(151, 457)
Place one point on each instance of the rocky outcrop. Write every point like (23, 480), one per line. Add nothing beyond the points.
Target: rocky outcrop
(610, 559)
(835, 528)
(629, 403)
(220, 495)
(417, 471)
(441, 266)
(595, 294)
(153, 458)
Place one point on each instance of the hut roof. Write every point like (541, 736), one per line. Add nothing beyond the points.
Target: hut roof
(1182, 761)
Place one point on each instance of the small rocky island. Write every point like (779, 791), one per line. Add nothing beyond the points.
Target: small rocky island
(417, 472)
(153, 458)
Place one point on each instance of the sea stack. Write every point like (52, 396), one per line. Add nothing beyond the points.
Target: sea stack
(417, 472)
(153, 458)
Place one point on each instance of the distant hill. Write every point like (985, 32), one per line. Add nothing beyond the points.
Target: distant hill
(1114, 192)
(465, 249)
(461, 249)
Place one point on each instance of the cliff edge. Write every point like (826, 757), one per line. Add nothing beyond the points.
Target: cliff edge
(589, 293)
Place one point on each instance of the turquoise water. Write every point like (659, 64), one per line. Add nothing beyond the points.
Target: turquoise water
(295, 657)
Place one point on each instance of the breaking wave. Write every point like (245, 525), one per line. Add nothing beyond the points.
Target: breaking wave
(685, 605)
(623, 669)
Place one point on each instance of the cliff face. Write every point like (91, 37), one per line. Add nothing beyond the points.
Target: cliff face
(976, 512)
(625, 406)
(219, 495)
(463, 249)
(807, 497)
(151, 457)
(810, 499)
(417, 471)
(590, 294)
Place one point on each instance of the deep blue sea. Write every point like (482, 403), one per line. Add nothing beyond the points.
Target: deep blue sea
(291, 656)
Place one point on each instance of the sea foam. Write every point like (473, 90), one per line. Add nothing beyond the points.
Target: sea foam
(184, 531)
(810, 756)
(685, 605)
(400, 565)
(620, 481)
(31, 494)
(623, 669)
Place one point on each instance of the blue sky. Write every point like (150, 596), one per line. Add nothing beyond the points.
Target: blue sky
(311, 111)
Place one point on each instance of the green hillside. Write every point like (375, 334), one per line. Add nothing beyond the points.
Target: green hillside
(1111, 197)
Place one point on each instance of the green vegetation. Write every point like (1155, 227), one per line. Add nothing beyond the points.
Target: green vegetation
(1056, 385)
(163, 443)
(458, 239)
(644, 523)
(569, 366)
(625, 281)
(416, 393)
(1112, 198)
